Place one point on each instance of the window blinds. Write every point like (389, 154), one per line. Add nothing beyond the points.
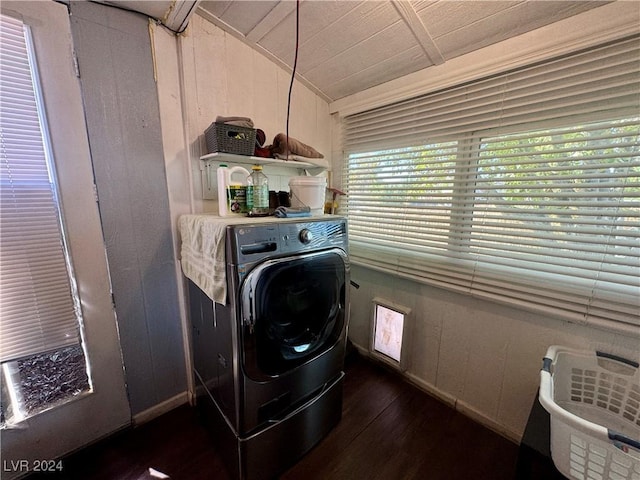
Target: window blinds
(38, 312)
(523, 188)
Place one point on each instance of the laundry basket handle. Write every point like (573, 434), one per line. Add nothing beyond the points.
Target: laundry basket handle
(619, 437)
(618, 358)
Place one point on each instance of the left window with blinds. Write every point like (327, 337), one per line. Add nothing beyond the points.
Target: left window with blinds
(41, 352)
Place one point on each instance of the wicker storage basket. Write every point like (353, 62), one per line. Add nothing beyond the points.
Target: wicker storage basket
(594, 402)
(221, 137)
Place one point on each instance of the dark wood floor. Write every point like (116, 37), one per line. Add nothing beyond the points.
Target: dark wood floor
(389, 430)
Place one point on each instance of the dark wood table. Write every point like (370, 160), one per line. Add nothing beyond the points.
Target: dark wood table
(534, 456)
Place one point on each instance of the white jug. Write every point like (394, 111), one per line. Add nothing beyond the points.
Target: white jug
(232, 190)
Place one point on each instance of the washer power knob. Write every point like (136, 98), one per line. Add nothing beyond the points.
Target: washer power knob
(305, 235)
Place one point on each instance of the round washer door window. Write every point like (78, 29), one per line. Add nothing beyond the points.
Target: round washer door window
(297, 311)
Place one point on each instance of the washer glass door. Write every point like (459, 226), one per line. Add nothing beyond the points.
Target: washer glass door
(293, 309)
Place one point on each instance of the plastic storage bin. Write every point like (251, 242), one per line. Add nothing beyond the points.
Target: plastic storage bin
(221, 137)
(308, 192)
(594, 402)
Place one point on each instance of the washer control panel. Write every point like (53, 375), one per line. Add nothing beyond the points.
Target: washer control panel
(251, 243)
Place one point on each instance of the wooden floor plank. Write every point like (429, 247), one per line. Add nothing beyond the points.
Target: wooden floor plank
(389, 430)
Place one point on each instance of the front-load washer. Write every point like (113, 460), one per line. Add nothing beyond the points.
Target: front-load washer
(269, 363)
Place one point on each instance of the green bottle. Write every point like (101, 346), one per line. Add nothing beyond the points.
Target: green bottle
(257, 193)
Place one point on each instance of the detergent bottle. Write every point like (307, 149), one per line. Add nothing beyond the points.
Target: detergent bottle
(232, 190)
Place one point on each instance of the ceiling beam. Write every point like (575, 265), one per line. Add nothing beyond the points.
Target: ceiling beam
(420, 32)
(178, 14)
(277, 14)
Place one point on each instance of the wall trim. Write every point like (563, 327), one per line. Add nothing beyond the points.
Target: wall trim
(160, 409)
(432, 390)
(479, 417)
(597, 26)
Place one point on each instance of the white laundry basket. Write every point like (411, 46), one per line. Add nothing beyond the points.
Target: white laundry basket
(594, 402)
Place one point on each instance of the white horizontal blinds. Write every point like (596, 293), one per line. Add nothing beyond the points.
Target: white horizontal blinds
(522, 188)
(600, 80)
(561, 206)
(400, 202)
(37, 309)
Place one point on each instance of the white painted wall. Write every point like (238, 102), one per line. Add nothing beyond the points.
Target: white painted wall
(224, 76)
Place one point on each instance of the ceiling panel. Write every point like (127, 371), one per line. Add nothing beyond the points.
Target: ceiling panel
(345, 32)
(505, 23)
(370, 52)
(442, 18)
(316, 22)
(347, 46)
(244, 16)
(216, 8)
(402, 63)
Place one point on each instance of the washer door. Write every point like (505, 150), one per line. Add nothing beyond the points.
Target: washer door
(293, 309)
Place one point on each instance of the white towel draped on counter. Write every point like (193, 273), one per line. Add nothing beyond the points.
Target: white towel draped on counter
(202, 254)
